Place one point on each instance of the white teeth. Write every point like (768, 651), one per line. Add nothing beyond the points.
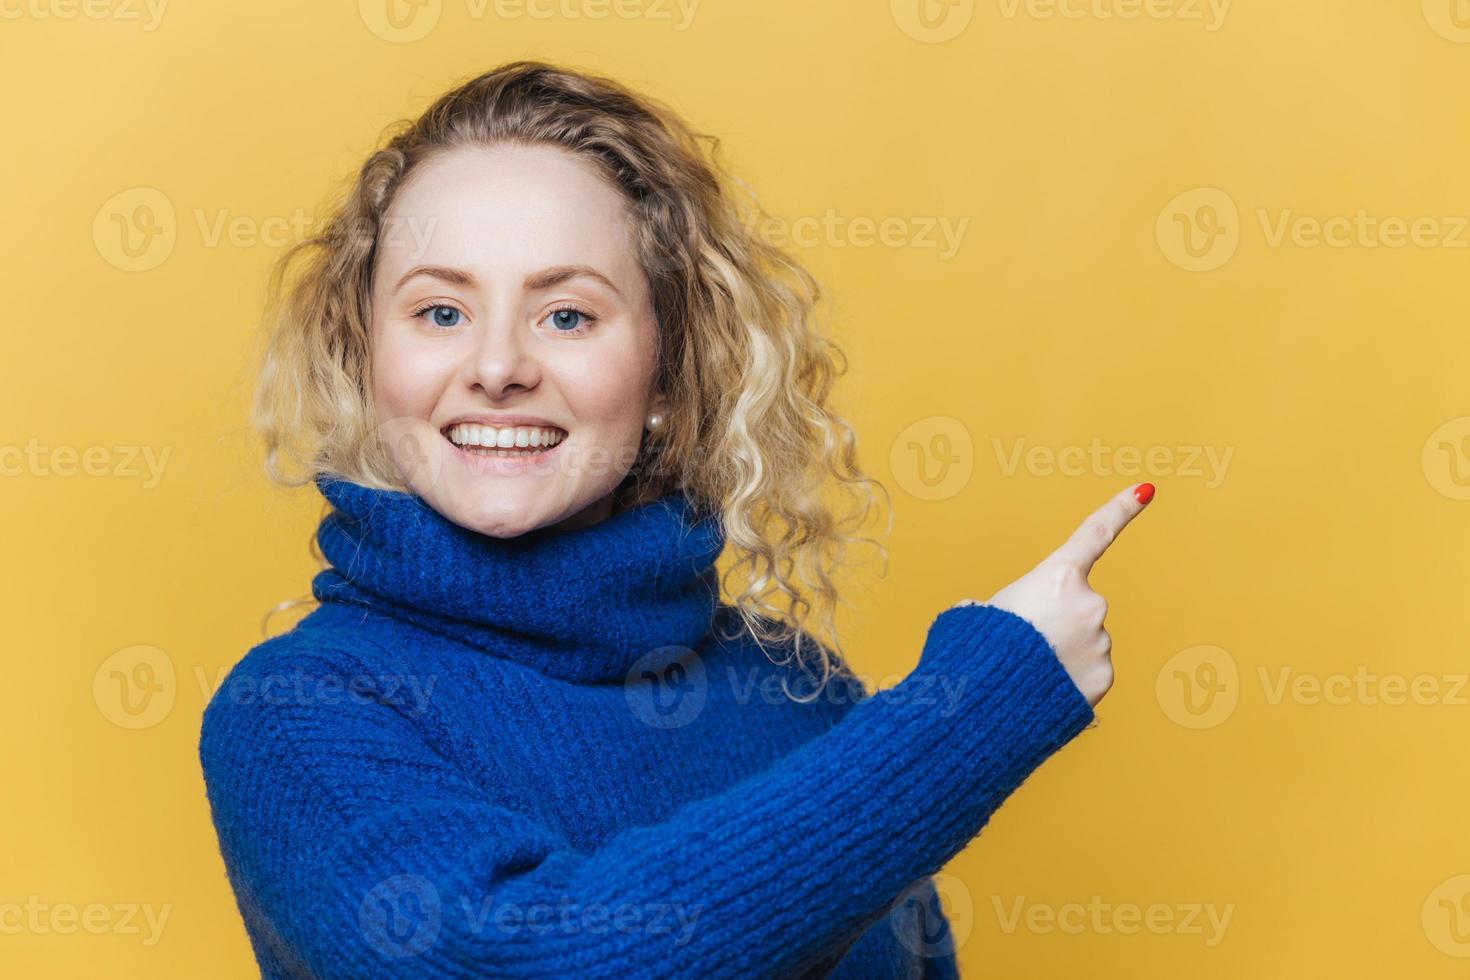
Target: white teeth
(516, 437)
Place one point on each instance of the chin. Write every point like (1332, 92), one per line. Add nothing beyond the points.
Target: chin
(497, 518)
(503, 528)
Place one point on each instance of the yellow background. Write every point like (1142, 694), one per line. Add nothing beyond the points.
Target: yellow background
(1334, 540)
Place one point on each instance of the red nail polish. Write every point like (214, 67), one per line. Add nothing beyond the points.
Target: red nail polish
(1144, 492)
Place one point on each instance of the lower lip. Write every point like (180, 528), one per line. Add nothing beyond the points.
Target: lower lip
(489, 462)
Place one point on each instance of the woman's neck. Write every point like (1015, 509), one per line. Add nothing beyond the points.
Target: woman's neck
(584, 603)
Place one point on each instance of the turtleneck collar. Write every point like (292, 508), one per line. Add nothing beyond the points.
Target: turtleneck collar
(581, 604)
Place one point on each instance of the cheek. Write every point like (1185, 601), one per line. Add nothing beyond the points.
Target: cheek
(405, 382)
(607, 393)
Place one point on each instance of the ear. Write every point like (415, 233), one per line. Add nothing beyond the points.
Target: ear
(659, 402)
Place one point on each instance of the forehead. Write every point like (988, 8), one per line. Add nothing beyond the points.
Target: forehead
(506, 210)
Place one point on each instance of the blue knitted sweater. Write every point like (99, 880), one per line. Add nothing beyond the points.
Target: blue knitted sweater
(556, 755)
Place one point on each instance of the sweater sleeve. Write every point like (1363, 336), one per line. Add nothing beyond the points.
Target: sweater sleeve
(364, 853)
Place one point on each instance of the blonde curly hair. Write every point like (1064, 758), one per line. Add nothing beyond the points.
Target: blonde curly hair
(748, 433)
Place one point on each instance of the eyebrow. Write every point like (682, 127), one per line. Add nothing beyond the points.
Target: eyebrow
(545, 279)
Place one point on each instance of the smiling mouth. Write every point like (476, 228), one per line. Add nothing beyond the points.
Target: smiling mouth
(507, 442)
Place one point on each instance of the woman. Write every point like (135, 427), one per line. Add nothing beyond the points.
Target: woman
(544, 375)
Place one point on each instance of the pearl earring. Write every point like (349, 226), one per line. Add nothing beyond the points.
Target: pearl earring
(654, 421)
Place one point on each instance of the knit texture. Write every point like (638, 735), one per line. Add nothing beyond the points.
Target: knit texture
(558, 755)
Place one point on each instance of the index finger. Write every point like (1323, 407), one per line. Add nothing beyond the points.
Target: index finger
(1102, 528)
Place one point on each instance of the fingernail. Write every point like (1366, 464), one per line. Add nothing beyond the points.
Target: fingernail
(1144, 492)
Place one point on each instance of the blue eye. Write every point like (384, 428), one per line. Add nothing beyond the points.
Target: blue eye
(565, 319)
(568, 320)
(443, 315)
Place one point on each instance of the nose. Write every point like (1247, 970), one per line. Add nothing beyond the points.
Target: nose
(504, 359)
